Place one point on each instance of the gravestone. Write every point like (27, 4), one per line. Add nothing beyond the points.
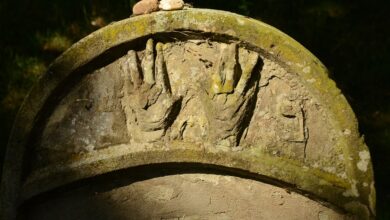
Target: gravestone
(189, 114)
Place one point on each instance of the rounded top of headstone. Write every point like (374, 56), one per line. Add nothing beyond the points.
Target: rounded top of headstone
(191, 86)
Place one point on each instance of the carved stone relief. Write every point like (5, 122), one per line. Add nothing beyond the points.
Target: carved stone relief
(148, 103)
(214, 90)
(197, 91)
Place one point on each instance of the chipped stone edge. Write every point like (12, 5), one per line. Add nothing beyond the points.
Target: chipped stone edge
(273, 42)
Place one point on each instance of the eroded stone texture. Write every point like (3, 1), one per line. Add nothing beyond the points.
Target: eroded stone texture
(188, 86)
(205, 92)
(290, 122)
(184, 197)
(89, 118)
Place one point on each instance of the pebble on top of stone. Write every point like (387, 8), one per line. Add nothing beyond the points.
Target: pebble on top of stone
(149, 6)
(168, 5)
(145, 7)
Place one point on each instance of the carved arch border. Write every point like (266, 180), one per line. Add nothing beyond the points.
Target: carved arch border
(255, 34)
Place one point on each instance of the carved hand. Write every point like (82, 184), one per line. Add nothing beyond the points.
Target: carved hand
(148, 101)
(229, 104)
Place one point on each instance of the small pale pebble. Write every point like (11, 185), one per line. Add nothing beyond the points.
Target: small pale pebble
(145, 7)
(168, 5)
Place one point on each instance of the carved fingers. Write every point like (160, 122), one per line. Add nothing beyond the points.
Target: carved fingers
(147, 88)
(148, 63)
(223, 77)
(234, 70)
(132, 77)
(233, 85)
(152, 72)
(161, 70)
(248, 61)
(136, 76)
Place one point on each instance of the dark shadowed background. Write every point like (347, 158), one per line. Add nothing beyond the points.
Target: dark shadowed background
(351, 37)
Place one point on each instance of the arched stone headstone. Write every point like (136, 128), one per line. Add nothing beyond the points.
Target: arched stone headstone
(239, 102)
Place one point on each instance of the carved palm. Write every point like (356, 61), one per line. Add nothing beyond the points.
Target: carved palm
(148, 101)
(229, 104)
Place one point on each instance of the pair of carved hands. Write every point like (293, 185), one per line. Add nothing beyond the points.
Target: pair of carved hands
(151, 108)
(148, 97)
(233, 86)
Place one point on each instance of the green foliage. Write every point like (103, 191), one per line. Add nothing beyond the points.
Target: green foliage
(55, 42)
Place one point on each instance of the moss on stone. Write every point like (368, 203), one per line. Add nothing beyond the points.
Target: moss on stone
(251, 33)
